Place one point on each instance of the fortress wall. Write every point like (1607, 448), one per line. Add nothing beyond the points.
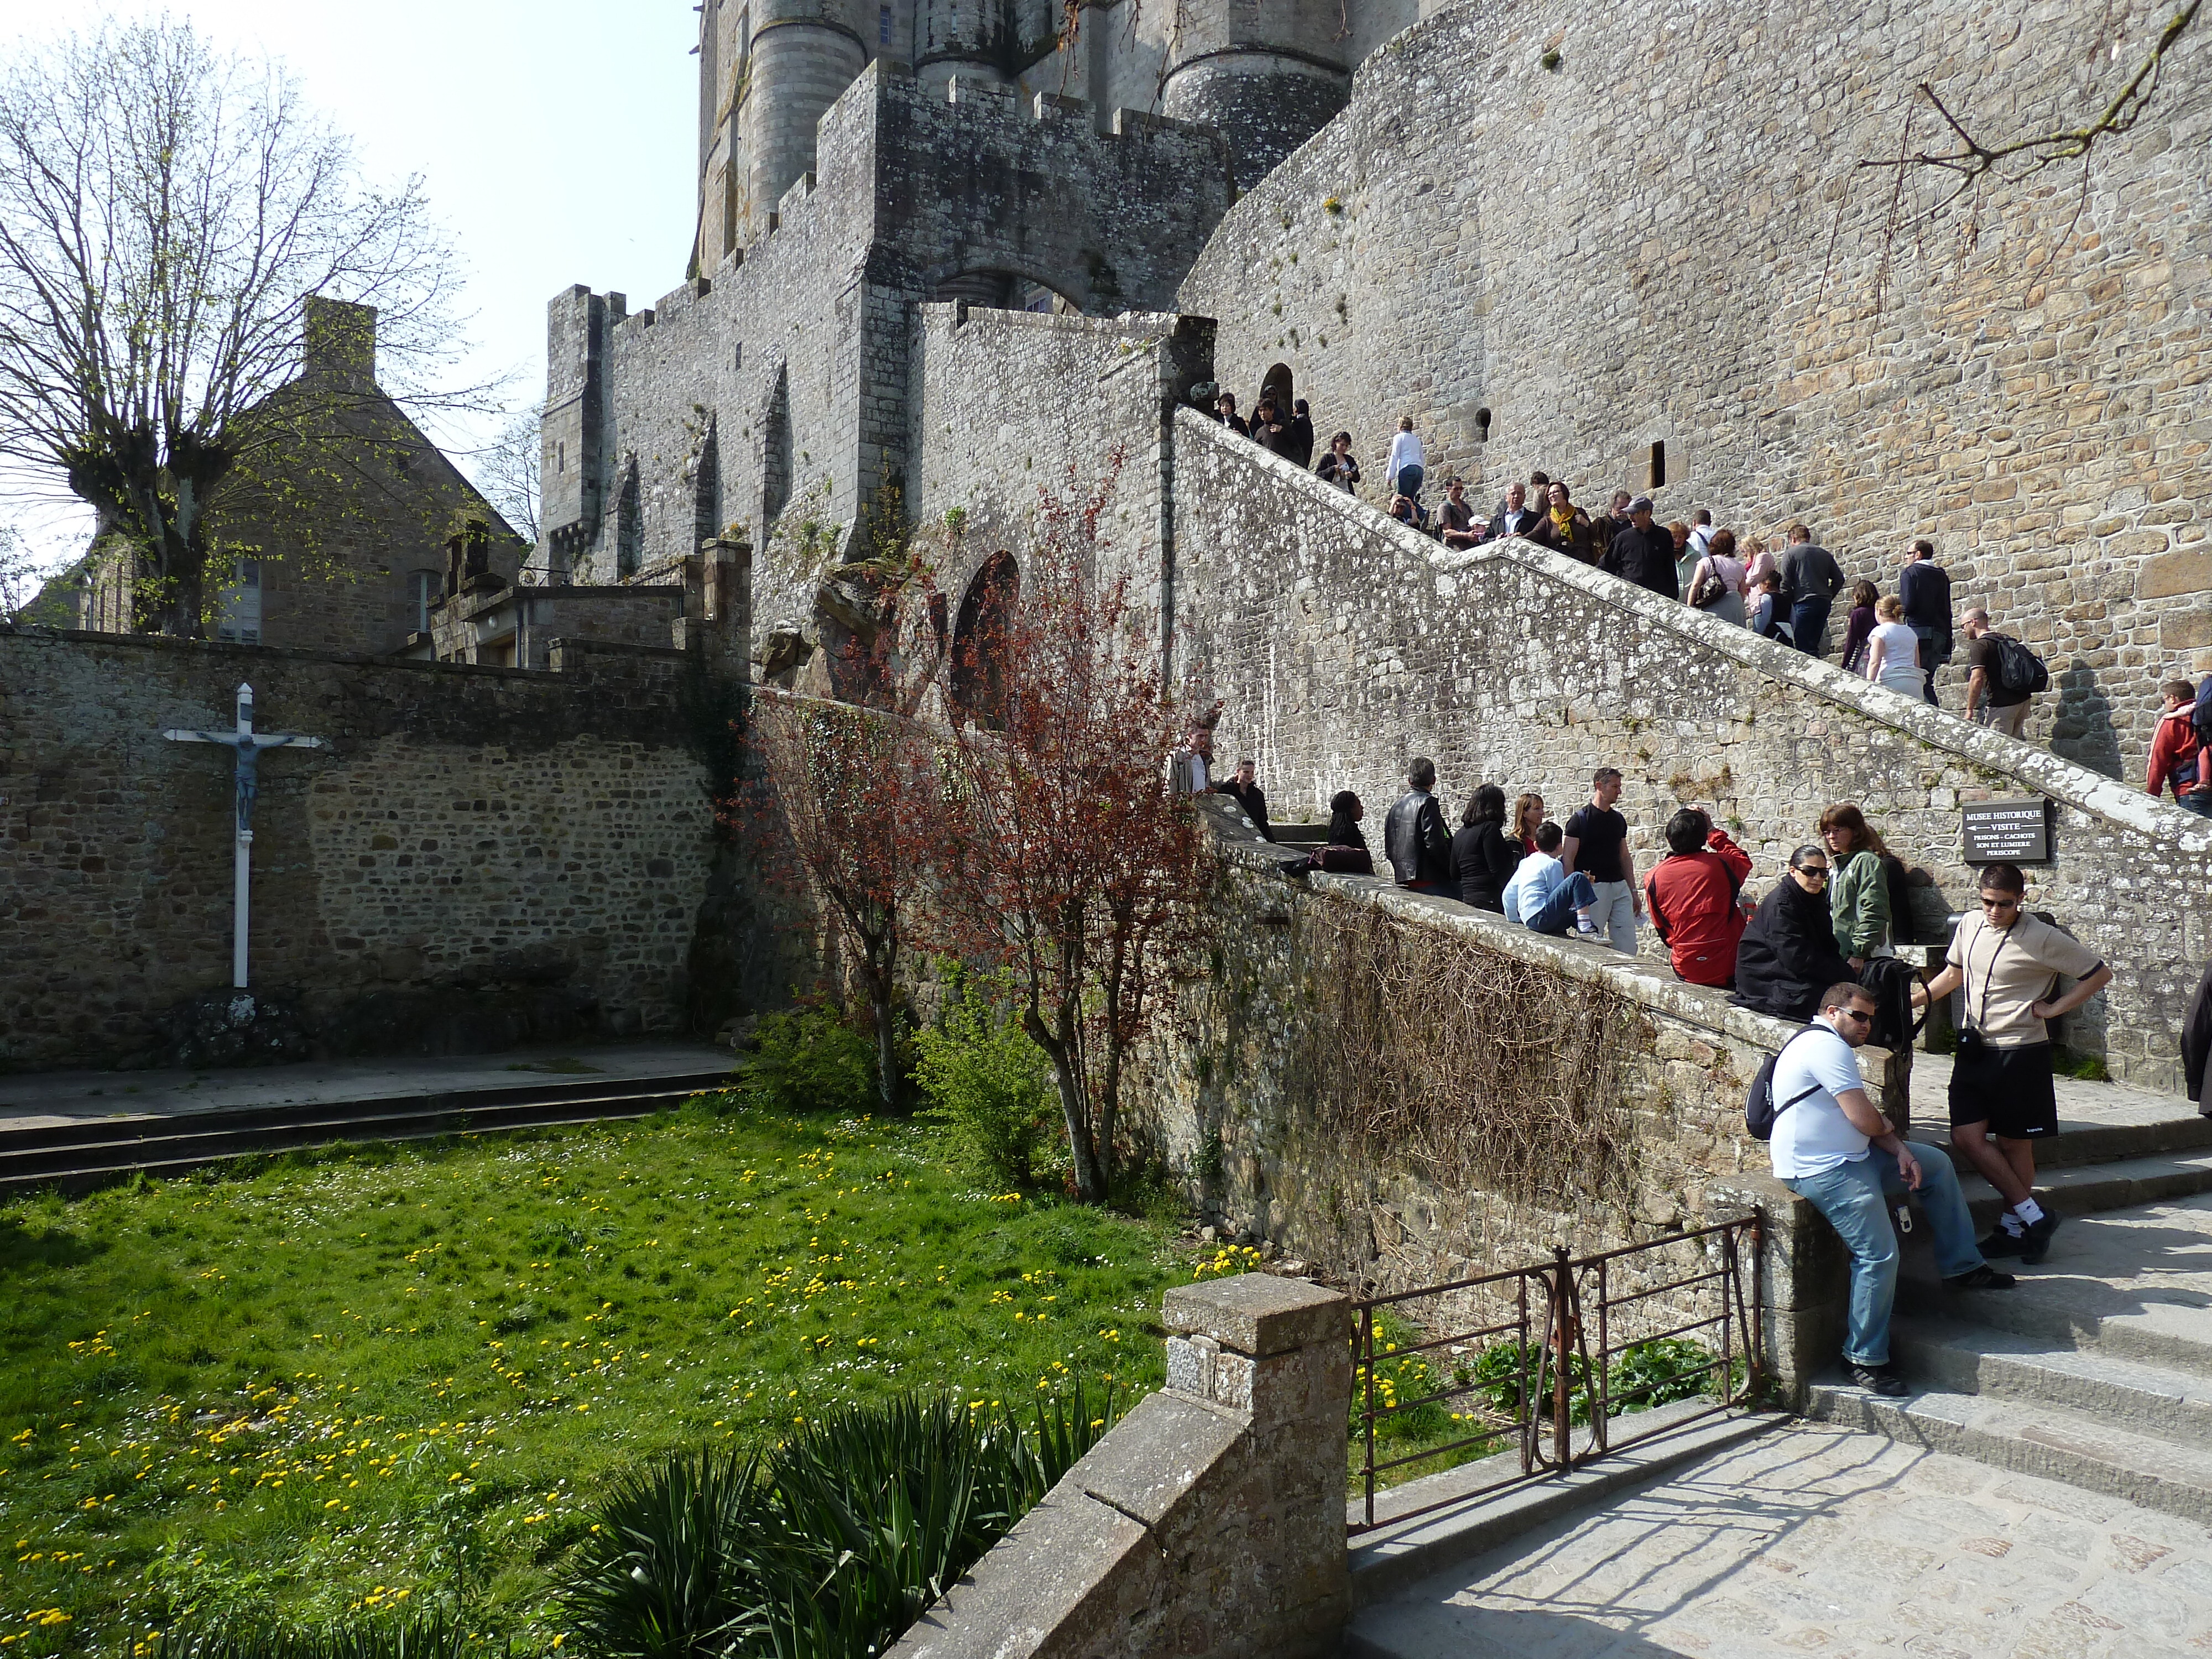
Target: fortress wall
(525, 849)
(1013, 405)
(1342, 644)
(1666, 237)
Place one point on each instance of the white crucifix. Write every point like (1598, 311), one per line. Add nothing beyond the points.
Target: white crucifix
(247, 745)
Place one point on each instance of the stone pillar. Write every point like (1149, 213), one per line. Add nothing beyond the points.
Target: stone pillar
(1208, 1523)
(1804, 1280)
(718, 603)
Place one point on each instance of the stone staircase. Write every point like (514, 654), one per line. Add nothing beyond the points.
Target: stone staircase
(2097, 1370)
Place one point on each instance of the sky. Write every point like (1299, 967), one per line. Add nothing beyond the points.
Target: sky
(556, 140)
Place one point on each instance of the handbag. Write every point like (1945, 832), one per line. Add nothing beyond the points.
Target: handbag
(1706, 587)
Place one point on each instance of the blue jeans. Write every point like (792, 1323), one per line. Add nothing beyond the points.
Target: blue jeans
(1809, 621)
(1557, 913)
(1409, 482)
(1855, 1198)
(2198, 801)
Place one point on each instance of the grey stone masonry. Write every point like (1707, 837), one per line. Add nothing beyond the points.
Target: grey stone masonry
(1563, 240)
(1207, 1524)
(1342, 643)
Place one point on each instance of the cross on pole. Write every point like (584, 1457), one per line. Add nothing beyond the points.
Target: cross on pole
(247, 745)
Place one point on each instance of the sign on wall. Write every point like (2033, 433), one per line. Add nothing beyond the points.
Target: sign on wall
(2007, 831)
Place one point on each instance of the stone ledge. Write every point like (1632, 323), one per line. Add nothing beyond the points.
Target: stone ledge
(1155, 1455)
(1257, 1314)
(2108, 799)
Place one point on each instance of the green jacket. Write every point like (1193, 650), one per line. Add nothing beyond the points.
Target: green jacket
(1858, 902)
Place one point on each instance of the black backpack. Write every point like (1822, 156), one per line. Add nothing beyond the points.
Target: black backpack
(1759, 1111)
(2018, 669)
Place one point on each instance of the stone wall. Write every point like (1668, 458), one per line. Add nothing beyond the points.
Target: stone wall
(523, 852)
(1012, 406)
(1625, 1100)
(772, 390)
(1342, 644)
(1602, 236)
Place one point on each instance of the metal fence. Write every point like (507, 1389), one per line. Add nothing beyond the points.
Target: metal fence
(1513, 1368)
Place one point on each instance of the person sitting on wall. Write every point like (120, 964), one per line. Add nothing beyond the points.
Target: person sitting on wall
(1787, 956)
(1225, 411)
(1338, 467)
(1415, 838)
(1484, 857)
(1833, 1148)
(1455, 519)
(1408, 511)
(1563, 528)
(1244, 788)
(1345, 853)
(1543, 896)
(1516, 517)
(1694, 897)
(1769, 617)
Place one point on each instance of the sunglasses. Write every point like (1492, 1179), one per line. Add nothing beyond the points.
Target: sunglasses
(2000, 904)
(1817, 872)
(1854, 1014)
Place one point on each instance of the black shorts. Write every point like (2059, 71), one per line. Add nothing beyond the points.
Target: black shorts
(2008, 1089)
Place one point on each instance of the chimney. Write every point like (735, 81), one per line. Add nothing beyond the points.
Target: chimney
(341, 338)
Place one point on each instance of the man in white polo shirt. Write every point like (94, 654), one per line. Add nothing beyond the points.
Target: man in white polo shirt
(1833, 1147)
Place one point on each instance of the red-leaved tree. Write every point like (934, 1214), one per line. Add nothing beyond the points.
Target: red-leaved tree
(1058, 850)
(833, 785)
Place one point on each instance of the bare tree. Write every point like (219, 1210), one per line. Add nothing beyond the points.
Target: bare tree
(506, 471)
(1970, 158)
(19, 577)
(165, 212)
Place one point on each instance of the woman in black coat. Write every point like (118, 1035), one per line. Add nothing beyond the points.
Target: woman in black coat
(1788, 956)
(1483, 859)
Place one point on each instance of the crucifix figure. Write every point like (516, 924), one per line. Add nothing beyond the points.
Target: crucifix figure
(247, 745)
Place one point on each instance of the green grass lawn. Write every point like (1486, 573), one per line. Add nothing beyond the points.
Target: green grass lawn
(395, 1377)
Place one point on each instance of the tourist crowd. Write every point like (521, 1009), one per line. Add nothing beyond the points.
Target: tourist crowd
(1785, 592)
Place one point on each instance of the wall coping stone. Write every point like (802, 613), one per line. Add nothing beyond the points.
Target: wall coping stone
(1157, 1453)
(1644, 983)
(2107, 798)
(1256, 1314)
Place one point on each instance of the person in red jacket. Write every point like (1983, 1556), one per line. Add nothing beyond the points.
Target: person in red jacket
(1694, 902)
(2176, 753)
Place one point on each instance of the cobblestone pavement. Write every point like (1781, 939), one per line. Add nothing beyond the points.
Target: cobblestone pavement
(1817, 1540)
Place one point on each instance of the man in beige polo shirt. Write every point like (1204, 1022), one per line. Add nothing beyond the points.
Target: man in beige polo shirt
(2009, 963)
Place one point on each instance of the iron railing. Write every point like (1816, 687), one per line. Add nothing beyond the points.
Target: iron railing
(1524, 1376)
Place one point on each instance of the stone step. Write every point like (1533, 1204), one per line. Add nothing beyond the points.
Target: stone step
(2151, 1400)
(2033, 1437)
(2087, 1143)
(2121, 1184)
(2134, 1284)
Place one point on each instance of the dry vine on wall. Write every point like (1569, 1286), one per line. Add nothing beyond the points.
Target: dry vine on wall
(1469, 1069)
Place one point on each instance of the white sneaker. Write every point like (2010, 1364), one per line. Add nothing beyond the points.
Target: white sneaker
(1585, 926)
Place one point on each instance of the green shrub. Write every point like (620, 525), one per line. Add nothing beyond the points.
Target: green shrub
(811, 1059)
(981, 1072)
(432, 1637)
(830, 1545)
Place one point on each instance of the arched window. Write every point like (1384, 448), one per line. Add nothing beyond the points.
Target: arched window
(979, 641)
(630, 526)
(1277, 381)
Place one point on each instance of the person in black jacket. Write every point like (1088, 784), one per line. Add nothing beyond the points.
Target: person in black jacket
(1345, 811)
(1788, 956)
(1483, 859)
(1643, 553)
(1244, 788)
(1299, 435)
(1414, 839)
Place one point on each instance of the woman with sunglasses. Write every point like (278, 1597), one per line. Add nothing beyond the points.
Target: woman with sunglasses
(1788, 956)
